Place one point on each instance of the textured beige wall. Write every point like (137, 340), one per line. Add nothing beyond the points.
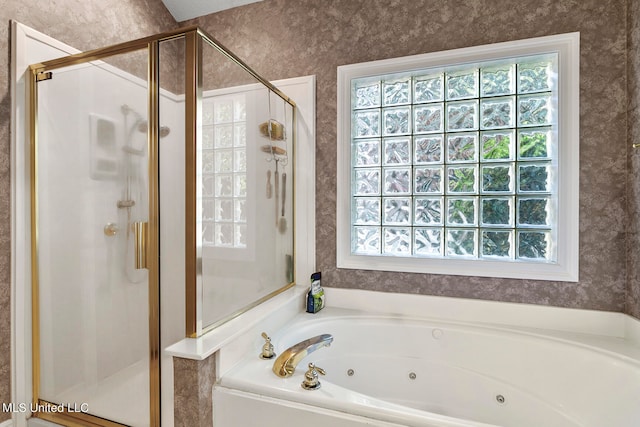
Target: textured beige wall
(193, 391)
(286, 38)
(84, 24)
(633, 285)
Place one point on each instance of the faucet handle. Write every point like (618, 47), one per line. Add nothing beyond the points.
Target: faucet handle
(267, 348)
(311, 381)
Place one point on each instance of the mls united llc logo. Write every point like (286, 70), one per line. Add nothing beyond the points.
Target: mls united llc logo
(44, 407)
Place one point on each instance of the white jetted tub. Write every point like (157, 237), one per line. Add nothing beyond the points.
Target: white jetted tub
(386, 370)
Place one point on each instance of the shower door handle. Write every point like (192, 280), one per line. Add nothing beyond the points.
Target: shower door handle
(140, 244)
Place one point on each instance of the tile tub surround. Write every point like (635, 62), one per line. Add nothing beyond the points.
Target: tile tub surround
(327, 33)
(240, 339)
(561, 347)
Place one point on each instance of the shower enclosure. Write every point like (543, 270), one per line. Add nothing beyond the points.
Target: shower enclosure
(161, 185)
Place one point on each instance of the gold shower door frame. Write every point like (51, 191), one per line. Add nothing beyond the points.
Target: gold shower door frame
(194, 38)
(42, 71)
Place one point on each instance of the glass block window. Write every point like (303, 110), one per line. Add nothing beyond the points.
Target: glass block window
(224, 172)
(462, 162)
(456, 163)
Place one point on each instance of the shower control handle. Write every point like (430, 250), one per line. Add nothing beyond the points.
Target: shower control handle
(110, 229)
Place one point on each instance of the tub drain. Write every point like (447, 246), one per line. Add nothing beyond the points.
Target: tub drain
(500, 399)
(350, 372)
(412, 375)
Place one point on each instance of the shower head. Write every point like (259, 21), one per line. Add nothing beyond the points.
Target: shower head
(143, 126)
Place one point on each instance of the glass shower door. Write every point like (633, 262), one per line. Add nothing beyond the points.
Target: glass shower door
(92, 195)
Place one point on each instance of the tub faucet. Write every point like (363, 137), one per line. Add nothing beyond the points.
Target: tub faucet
(285, 364)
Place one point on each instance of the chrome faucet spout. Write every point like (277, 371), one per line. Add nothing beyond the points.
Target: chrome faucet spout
(285, 364)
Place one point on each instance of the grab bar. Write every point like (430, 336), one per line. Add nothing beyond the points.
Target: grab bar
(140, 244)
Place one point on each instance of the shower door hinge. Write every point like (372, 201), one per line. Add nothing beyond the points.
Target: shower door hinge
(46, 75)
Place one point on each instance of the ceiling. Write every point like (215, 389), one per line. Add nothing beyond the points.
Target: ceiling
(188, 9)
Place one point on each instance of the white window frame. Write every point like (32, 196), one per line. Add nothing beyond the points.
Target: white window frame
(566, 265)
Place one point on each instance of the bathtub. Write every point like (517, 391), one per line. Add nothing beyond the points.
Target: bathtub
(399, 370)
